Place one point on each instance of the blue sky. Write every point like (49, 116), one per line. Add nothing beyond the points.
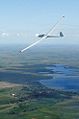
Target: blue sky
(20, 20)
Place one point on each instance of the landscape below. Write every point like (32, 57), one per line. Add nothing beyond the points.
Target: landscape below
(39, 84)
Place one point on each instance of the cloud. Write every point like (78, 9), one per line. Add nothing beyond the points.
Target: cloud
(12, 34)
(18, 34)
(3, 34)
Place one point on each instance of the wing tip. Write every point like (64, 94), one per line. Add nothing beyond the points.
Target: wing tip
(20, 51)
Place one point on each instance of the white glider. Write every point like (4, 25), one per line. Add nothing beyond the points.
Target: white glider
(44, 36)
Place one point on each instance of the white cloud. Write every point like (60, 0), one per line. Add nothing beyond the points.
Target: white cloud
(18, 34)
(4, 34)
(12, 34)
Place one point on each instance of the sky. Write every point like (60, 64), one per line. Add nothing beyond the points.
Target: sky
(20, 20)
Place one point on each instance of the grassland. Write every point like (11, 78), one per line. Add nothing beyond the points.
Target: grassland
(38, 102)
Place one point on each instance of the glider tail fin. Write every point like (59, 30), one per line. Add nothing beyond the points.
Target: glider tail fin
(61, 34)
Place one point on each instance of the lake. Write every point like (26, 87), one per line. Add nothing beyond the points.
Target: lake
(64, 78)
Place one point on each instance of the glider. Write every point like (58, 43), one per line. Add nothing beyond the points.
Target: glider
(45, 36)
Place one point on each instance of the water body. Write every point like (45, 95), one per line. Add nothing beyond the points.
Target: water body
(65, 78)
(56, 66)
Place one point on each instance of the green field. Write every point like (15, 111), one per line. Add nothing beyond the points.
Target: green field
(37, 103)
